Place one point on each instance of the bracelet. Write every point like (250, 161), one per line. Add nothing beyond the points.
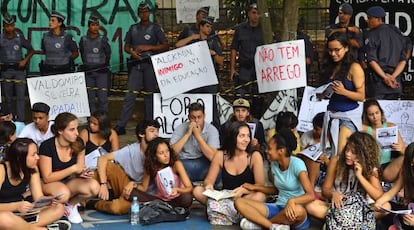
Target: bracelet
(104, 183)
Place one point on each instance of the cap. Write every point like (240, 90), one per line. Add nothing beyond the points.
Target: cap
(93, 19)
(9, 19)
(57, 15)
(144, 6)
(241, 103)
(252, 6)
(346, 8)
(376, 11)
(208, 19)
(40, 107)
(204, 9)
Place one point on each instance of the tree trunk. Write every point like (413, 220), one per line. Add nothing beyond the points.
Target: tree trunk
(290, 19)
(265, 21)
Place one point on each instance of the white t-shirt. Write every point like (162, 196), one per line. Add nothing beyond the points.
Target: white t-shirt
(32, 132)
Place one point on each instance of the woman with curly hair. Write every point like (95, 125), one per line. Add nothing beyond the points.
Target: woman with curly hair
(404, 181)
(356, 169)
(373, 117)
(160, 156)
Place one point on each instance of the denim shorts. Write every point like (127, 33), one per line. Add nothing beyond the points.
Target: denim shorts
(349, 124)
(274, 209)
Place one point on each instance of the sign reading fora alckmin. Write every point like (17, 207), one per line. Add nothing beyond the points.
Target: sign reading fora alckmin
(280, 66)
(62, 92)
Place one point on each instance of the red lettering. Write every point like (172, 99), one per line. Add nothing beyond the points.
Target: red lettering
(281, 73)
(170, 69)
(289, 52)
(266, 55)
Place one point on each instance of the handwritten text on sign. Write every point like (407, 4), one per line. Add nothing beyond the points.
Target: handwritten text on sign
(186, 10)
(280, 66)
(63, 93)
(170, 113)
(184, 69)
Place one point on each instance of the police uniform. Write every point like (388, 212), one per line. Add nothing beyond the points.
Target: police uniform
(10, 56)
(141, 73)
(245, 40)
(95, 52)
(387, 46)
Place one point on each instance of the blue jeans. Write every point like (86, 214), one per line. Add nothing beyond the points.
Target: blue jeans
(197, 169)
(273, 209)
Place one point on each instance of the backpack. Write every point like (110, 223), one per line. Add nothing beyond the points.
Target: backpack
(157, 211)
(355, 214)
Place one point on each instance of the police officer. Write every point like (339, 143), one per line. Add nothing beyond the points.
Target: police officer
(245, 40)
(141, 41)
(95, 53)
(385, 48)
(13, 65)
(194, 28)
(59, 48)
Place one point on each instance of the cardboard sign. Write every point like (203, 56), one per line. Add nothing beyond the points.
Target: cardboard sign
(186, 10)
(172, 112)
(184, 69)
(62, 92)
(280, 66)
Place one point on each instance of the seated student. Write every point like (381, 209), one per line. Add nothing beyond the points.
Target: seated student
(355, 169)
(126, 172)
(373, 117)
(62, 166)
(99, 133)
(40, 129)
(159, 156)
(18, 171)
(404, 181)
(286, 120)
(291, 183)
(195, 142)
(241, 112)
(239, 165)
(313, 137)
(7, 136)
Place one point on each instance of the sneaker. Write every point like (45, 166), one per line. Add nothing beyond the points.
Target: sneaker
(246, 224)
(71, 211)
(393, 227)
(59, 225)
(120, 130)
(279, 227)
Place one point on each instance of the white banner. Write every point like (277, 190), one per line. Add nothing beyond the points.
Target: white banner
(184, 69)
(186, 10)
(224, 108)
(285, 100)
(280, 66)
(172, 112)
(62, 92)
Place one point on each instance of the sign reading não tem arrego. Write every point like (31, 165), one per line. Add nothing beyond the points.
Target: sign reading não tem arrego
(62, 92)
(280, 66)
(184, 69)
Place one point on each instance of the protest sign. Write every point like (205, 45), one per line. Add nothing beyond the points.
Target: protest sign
(62, 92)
(309, 107)
(280, 66)
(285, 100)
(184, 69)
(225, 109)
(186, 10)
(172, 112)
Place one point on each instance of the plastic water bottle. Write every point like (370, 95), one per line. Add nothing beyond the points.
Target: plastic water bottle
(134, 211)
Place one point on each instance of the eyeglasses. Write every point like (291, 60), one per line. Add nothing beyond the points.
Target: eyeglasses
(335, 50)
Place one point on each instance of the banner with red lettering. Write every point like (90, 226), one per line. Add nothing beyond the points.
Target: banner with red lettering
(280, 66)
(184, 69)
